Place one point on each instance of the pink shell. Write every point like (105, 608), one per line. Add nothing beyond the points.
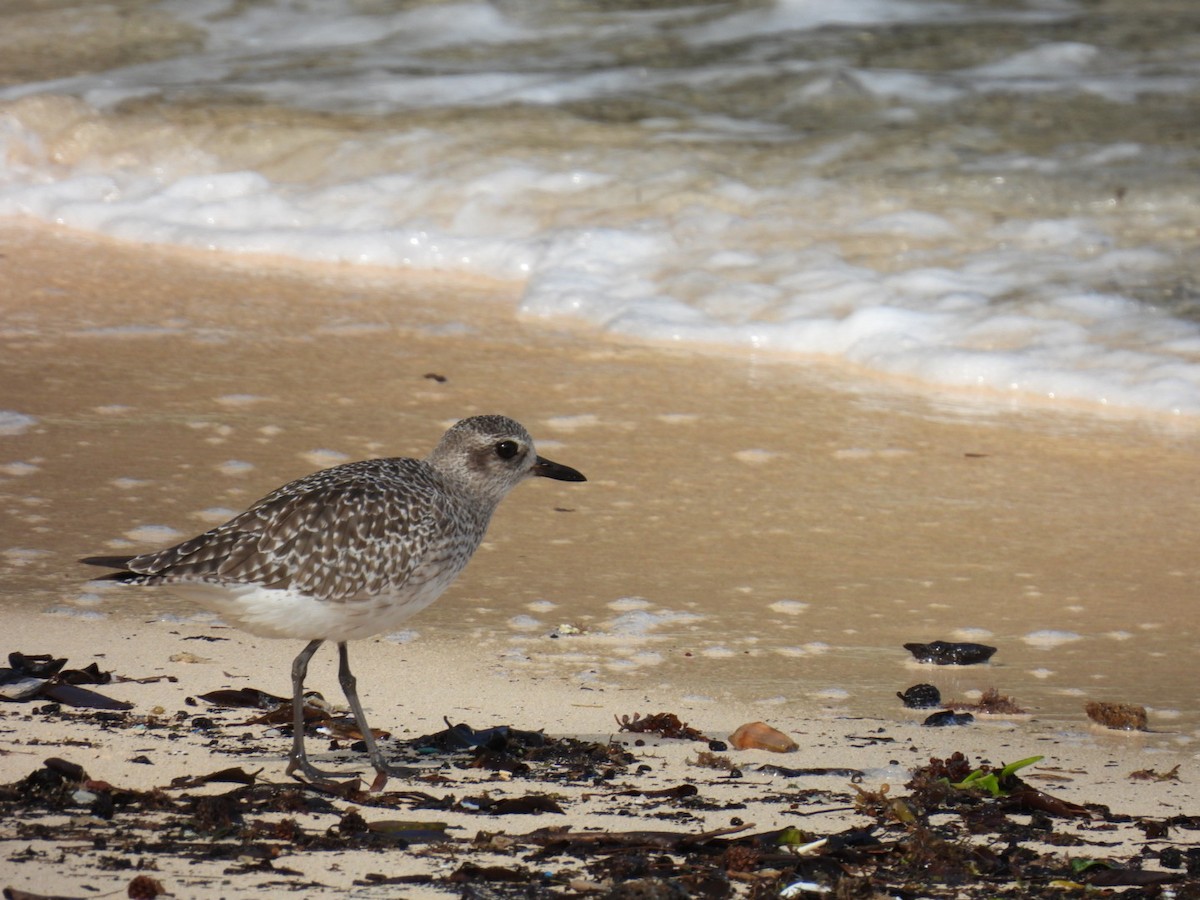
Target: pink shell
(761, 736)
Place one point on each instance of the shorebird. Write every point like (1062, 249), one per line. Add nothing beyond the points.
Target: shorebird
(349, 552)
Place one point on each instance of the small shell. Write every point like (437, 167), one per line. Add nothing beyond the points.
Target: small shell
(761, 736)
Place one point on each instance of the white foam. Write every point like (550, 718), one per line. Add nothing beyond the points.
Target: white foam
(641, 623)
(127, 483)
(240, 399)
(17, 557)
(973, 274)
(153, 534)
(325, 458)
(971, 633)
(788, 607)
(1049, 639)
(572, 423)
(625, 604)
(755, 456)
(215, 515)
(13, 423)
(18, 468)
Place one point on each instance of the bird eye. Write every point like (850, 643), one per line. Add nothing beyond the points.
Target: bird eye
(507, 449)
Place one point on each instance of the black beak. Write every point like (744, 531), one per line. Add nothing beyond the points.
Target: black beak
(558, 472)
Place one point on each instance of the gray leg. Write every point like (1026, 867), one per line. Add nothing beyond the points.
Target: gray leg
(298, 758)
(350, 688)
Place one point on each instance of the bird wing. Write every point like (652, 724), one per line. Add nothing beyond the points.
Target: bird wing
(337, 534)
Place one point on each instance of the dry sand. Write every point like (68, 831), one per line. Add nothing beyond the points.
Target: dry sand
(168, 387)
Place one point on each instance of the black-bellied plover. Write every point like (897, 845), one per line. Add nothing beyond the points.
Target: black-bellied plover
(349, 552)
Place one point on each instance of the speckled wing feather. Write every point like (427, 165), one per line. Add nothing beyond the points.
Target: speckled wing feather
(360, 529)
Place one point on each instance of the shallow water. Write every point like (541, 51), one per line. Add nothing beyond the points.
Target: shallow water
(996, 197)
(749, 534)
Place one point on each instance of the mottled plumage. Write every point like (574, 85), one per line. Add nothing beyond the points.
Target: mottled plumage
(350, 551)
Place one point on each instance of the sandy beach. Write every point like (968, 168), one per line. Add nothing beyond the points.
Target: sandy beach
(757, 540)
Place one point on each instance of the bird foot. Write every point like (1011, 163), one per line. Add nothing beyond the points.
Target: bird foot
(383, 772)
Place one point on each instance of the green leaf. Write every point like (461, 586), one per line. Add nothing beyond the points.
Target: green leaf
(1080, 865)
(990, 781)
(1019, 764)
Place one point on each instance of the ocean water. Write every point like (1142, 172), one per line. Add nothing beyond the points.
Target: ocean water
(995, 197)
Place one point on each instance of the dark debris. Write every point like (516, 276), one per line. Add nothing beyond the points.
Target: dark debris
(940, 840)
(948, 653)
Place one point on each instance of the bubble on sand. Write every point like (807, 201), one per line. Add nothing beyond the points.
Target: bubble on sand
(18, 469)
(240, 399)
(628, 603)
(235, 467)
(14, 423)
(74, 613)
(153, 534)
(755, 456)
(524, 623)
(640, 623)
(215, 515)
(834, 694)
(22, 556)
(971, 634)
(1049, 639)
(788, 607)
(635, 661)
(571, 423)
(325, 458)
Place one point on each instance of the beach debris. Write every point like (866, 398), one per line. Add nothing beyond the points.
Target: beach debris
(946, 653)
(761, 736)
(885, 809)
(499, 738)
(800, 888)
(233, 775)
(965, 831)
(34, 676)
(1171, 774)
(1118, 716)
(247, 697)
(143, 887)
(529, 804)
(947, 718)
(997, 782)
(706, 759)
(664, 724)
(921, 696)
(952, 781)
(318, 715)
(991, 703)
(186, 656)
(855, 775)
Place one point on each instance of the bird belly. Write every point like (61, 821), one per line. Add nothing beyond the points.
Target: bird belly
(285, 613)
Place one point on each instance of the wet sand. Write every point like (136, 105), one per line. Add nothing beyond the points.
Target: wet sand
(757, 539)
